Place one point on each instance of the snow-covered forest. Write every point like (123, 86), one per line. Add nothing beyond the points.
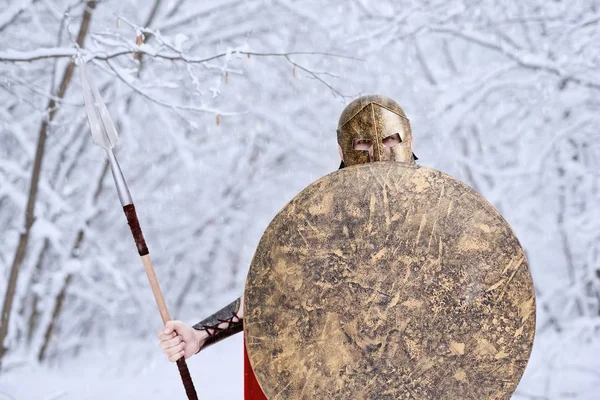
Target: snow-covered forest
(226, 110)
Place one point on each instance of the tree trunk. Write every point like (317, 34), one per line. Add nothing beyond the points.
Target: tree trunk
(35, 176)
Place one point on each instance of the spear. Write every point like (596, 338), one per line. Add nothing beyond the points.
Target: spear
(105, 135)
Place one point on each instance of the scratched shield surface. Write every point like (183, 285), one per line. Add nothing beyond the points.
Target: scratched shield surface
(389, 281)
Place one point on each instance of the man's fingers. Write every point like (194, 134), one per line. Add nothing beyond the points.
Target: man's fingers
(162, 336)
(175, 349)
(172, 326)
(176, 352)
(167, 344)
(171, 341)
(169, 327)
(176, 356)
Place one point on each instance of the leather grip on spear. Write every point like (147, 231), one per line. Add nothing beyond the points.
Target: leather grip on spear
(138, 237)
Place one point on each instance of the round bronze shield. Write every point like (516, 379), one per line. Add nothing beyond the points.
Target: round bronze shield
(389, 281)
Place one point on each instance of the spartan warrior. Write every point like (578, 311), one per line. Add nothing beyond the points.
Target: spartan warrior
(370, 284)
(371, 128)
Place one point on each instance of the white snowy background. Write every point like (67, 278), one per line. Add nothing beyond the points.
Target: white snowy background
(226, 110)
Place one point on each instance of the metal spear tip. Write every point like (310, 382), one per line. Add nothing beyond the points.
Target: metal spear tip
(103, 129)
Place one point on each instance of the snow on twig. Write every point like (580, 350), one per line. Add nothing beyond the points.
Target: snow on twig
(37, 54)
(156, 100)
(12, 12)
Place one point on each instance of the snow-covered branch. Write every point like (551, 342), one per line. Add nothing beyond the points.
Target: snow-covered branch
(12, 12)
(522, 58)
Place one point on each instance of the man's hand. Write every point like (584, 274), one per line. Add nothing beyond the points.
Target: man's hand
(178, 339)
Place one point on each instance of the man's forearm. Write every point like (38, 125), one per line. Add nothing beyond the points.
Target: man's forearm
(222, 324)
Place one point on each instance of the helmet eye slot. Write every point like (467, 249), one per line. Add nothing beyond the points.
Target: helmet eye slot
(363, 144)
(392, 140)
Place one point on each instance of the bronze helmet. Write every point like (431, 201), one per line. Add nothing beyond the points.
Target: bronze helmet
(368, 125)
